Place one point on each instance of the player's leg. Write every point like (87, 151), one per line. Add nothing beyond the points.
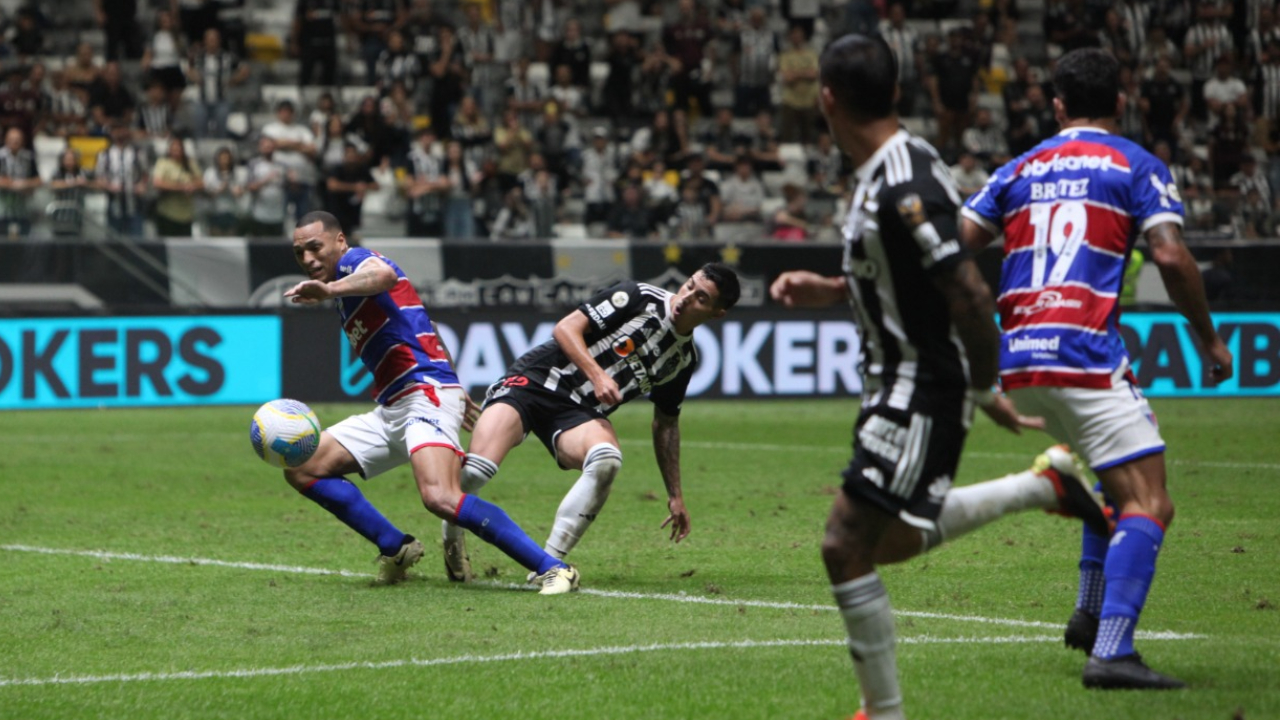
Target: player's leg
(591, 447)
(321, 480)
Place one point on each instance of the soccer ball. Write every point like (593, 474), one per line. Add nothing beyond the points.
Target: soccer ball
(285, 433)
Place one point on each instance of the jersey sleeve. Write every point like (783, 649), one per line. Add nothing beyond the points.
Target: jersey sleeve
(669, 396)
(1154, 197)
(983, 207)
(613, 306)
(926, 212)
(352, 259)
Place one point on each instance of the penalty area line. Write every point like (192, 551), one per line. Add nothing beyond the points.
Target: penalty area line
(614, 594)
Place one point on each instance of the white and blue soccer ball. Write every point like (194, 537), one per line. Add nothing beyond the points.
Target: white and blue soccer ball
(285, 433)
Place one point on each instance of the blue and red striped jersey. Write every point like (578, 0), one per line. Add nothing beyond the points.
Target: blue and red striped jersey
(392, 334)
(1070, 210)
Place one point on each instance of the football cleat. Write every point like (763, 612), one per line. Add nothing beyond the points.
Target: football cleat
(1126, 672)
(558, 580)
(457, 564)
(1076, 498)
(391, 568)
(1082, 632)
(860, 715)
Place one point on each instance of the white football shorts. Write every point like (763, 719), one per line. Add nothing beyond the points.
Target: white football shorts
(384, 438)
(1106, 427)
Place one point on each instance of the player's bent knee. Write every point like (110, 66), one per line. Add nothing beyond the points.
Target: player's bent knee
(604, 460)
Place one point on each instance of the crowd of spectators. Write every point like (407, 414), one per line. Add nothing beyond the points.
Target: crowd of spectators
(511, 119)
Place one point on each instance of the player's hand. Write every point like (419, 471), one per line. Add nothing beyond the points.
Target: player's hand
(1220, 362)
(607, 391)
(678, 519)
(309, 292)
(470, 414)
(1002, 410)
(802, 288)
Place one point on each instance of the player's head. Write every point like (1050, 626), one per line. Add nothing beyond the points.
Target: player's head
(318, 245)
(1087, 85)
(859, 79)
(706, 295)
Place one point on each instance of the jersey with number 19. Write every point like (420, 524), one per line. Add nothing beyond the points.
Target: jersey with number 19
(1070, 210)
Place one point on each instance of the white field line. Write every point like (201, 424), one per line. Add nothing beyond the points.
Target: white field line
(506, 657)
(846, 449)
(617, 594)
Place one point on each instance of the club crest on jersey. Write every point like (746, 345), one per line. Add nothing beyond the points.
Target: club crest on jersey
(624, 347)
(911, 208)
(619, 299)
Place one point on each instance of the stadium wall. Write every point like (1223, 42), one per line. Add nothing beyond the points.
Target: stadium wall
(163, 360)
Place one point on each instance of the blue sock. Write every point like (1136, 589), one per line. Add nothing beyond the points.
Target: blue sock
(496, 528)
(349, 505)
(1093, 554)
(1131, 564)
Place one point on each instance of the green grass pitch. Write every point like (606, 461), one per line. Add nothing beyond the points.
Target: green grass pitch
(152, 567)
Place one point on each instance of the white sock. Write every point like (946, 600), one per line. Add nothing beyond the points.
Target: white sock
(477, 471)
(972, 506)
(868, 619)
(585, 499)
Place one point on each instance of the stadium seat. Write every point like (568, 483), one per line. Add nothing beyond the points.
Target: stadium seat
(540, 75)
(48, 150)
(569, 230)
(263, 47)
(351, 96)
(274, 94)
(88, 147)
(789, 153)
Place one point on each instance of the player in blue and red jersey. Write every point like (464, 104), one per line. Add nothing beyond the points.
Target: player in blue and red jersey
(421, 408)
(1070, 210)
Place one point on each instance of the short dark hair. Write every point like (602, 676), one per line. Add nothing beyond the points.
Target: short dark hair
(326, 219)
(862, 74)
(726, 281)
(1088, 82)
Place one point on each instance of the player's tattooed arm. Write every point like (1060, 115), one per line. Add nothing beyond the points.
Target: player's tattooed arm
(666, 447)
(372, 277)
(1182, 279)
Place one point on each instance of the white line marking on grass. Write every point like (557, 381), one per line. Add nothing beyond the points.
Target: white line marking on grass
(618, 594)
(506, 657)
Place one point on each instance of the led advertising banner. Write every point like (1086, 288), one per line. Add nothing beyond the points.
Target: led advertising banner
(135, 361)
(1168, 361)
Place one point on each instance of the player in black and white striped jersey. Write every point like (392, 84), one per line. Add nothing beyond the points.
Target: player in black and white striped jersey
(629, 340)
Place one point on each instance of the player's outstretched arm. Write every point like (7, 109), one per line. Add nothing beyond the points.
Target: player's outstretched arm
(805, 289)
(1182, 280)
(666, 447)
(571, 335)
(973, 312)
(372, 277)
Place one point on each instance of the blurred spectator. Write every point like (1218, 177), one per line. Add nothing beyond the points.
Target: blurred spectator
(109, 100)
(570, 97)
(618, 94)
(660, 140)
(397, 112)
(514, 144)
(82, 71)
(1228, 142)
(176, 179)
(684, 40)
(660, 190)
(540, 195)
(986, 140)
(656, 78)
(296, 153)
(18, 180)
(798, 71)
(559, 143)
(514, 19)
(904, 41)
(70, 183)
(472, 129)
(314, 41)
(68, 109)
(348, 186)
(969, 175)
(731, 17)
(224, 184)
(574, 52)
(1224, 89)
(755, 50)
(1199, 208)
(1266, 83)
(1206, 41)
(447, 72)
(375, 134)
(826, 167)
(721, 143)
(397, 63)
(792, 221)
(329, 148)
(764, 144)
(1262, 34)
(708, 190)
(26, 37)
(119, 22)
(523, 95)
(155, 115)
(267, 201)
(371, 21)
(1066, 24)
(742, 193)
(1131, 120)
(951, 86)
(1254, 216)
(479, 44)
(1190, 174)
(121, 172)
(549, 16)
(215, 71)
(629, 217)
(488, 196)
(1218, 280)
(424, 186)
(1114, 37)
(1251, 179)
(162, 59)
(1163, 106)
(1158, 47)
(599, 172)
(325, 108)
(459, 175)
(1135, 19)
(514, 220)
(688, 219)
